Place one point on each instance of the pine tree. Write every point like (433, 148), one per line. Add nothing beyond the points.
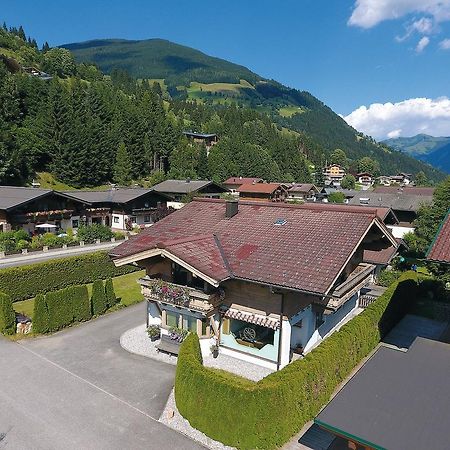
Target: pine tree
(202, 167)
(7, 315)
(45, 47)
(110, 294)
(98, 301)
(40, 314)
(122, 168)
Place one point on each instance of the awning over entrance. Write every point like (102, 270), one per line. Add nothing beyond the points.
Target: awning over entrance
(256, 319)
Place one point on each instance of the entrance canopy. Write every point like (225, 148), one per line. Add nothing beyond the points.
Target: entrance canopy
(46, 225)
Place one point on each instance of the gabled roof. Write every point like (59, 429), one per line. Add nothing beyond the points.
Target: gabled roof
(399, 201)
(199, 135)
(12, 196)
(415, 190)
(242, 180)
(299, 247)
(117, 195)
(185, 186)
(440, 248)
(262, 188)
(397, 400)
(304, 188)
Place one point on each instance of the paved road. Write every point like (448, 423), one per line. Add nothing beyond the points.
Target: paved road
(35, 257)
(78, 389)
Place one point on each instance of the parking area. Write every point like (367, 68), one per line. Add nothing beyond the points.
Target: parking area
(80, 389)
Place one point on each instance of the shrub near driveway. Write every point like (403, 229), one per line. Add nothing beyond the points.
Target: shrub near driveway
(264, 415)
(7, 315)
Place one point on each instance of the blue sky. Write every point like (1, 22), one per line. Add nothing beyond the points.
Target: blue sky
(348, 53)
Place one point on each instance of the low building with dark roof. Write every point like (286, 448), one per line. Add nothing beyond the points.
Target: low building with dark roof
(302, 192)
(439, 250)
(121, 208)
(403, 203)
(177, 189)
(397, 400)
(413, 190)
(272, 192)
(26, 207)
(209, 139)
(263, 279)
(234, 183)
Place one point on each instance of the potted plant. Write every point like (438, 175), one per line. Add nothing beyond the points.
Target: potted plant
(177, 334)
(154, 332)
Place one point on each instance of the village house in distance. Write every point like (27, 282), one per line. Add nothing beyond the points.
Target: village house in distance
(265, 280)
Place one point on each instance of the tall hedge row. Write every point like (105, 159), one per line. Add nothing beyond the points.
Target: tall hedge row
(7, 315)
(25, 282)
(264, 415)
(58, 309)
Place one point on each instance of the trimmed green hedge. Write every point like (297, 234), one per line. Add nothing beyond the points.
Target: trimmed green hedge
(25, 282)
(264, 415)
(7, 315)
(99, 303)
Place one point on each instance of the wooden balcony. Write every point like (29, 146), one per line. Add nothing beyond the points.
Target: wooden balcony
(360, 277)
(183, 296)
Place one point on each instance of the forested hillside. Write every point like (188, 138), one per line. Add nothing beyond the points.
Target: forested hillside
(89, 129)
(189, 74)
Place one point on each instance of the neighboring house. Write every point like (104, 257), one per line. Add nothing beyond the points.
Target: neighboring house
(121, 208)
(348, 193)
(272, 192)
(365, 179)
(178, 189)
(413, 190)
(405, 206)
(384, 180)
(302, 192)
(396, 400)
(209, 139)
(334, 173)
(234, 183)
(37, 73)
(263, 280)
(439, 250)
(26, 207)
(401, 178)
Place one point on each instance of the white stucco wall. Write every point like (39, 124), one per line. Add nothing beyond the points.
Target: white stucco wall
(248, 358)
(285, 343)
(154, 316)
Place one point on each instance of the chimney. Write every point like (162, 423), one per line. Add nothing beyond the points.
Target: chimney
(231, 208)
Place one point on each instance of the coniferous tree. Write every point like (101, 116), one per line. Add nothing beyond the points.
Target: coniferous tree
(40, 314)
(111, 298)
(202, 167)
(122, 168)
(98, 301)
(7, 315)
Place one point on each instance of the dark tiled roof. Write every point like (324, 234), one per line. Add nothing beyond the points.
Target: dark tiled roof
(440, 248)
(184, 186)
(383, 256)
(12, 196)
(119, 195)
(415, 190)
(306, 253)
(397, 400)
(263, 188)
(400, 201)
(199, 135)
(242, 180)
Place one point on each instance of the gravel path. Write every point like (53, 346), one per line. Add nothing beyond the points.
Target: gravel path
(173, 419)
(137, 341)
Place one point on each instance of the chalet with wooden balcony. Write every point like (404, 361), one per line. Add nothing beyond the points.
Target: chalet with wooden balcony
(264, 280)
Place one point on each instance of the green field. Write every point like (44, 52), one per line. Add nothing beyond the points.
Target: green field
(289, 111)
(48, 181)
(125, 286)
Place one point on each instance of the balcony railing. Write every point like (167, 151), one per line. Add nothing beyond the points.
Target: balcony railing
(184, 296)
(360, 277)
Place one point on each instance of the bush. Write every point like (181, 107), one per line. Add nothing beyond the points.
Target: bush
(25, 282)
(336, 197)
(98, 299)
(40, 314)
(111, 298)
(264, 415)
(81, 306)
(91, 233)
(387, 277)
(59, 309)
(7, 315)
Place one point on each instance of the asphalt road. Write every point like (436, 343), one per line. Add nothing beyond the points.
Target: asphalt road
(78, 389)
(35, 257)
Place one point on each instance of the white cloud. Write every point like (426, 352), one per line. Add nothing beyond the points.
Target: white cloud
(445, 44)
(368, 13)
(422, 44)
(406, 118)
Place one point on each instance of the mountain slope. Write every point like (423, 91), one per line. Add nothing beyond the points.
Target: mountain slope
(433, 150)
(190, 74)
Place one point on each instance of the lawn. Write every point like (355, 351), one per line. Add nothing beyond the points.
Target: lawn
(48, 181)
(125, 286)
(289, 111)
